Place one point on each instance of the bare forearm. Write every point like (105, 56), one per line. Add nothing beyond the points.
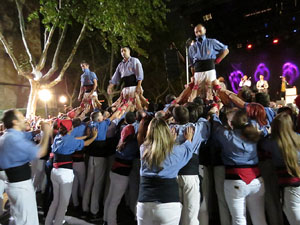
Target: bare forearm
(88, 142)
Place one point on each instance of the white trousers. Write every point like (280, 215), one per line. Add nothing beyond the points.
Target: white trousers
(117, 188)
(238, 195)
(219, 178)
(62, 180)
(189, 194)
(94, 185)
(3, 186)
(206, 76)
(23, 207)
(202, 79)
(151, 213)
(38, 174)
(291, 206)
(79, 181)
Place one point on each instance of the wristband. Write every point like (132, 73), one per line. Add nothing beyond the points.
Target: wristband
(191, 85)
(217, 99)
(173, 102)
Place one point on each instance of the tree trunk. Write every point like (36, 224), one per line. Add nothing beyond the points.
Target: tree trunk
(32, 101)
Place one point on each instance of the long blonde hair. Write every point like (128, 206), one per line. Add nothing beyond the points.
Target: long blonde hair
(158, 143)
(288, 141)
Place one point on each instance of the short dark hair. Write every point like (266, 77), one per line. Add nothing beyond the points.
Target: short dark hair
(76, 122)
(246, 94)
(8, 117)
(130, 117)
(169, 98)
(95, 116)
(181, 114)
(263, 99)
(126, 48)
(84, 62)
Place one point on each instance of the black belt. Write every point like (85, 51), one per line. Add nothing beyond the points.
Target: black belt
(18, 173)
(88, 88)
(204, 65)
(62, 161)
(129, 81)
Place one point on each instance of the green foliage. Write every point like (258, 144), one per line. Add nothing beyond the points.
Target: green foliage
(117, 22)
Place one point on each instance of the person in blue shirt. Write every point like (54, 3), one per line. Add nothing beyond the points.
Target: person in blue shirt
(88, 89)
(79, 168)
(129, 71)
(98, 163)
(243, 186)
(161, 160)
(62, 176)
(203, 55)
(16, 151)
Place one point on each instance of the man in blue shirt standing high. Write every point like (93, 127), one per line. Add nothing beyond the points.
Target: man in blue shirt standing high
(88, 90)
(130, 72)
(203, 55)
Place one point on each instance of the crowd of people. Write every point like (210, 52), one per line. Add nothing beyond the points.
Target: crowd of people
(167, 162)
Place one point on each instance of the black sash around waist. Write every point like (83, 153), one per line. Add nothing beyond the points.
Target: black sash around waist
(62, 161)
(122, 167)
(97, 149)
(18, 173)
(192, 167)
(154, 189)
(129, 81)
(88, 88)
(204, 65)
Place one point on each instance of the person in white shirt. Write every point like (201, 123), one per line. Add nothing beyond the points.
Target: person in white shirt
(245, 82)
(262, 85)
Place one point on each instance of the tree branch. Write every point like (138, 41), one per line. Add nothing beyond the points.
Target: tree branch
(69, 60)
(11, 55)
(54, 65)
(22, 29)
(43, 58)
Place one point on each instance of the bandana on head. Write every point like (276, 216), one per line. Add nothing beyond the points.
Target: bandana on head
(66, 123)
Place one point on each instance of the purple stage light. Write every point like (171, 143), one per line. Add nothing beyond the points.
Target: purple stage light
(261, 69)
(235, 78)
(291, 72)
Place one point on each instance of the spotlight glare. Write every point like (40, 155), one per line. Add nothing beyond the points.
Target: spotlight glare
(62, 99)
(249, 46)
(44, 95)
(266, 35)
(275, 41)
(295, 31)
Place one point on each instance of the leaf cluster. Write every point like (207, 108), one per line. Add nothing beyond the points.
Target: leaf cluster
(117, 22)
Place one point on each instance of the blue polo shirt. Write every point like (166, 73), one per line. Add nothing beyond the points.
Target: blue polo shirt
(78, 131)
(178, 158)
(101, 127)
(206, 49)
(87, 78)
(66, 145)
(235, 149)
(16, 149)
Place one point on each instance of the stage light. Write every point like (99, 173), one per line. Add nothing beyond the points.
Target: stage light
(63, 99)
(275, 41)
(267, 36)
(294, 18)
(262, 69)
(235, 78)
(294, 30)
(249, 46)
(45, 95)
